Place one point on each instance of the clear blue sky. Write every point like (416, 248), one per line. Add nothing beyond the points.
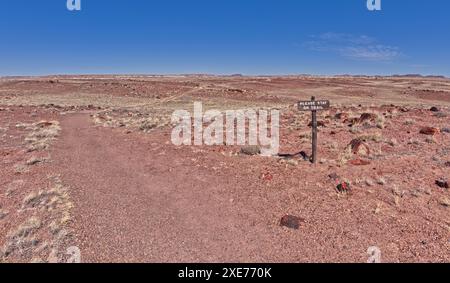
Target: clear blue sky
(223, 37)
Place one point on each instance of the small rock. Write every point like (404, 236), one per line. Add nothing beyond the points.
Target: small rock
(445, 130)
(251, 150)
(359, 162)
(447, 164)
(429, 131)
(292, 222)
(434, 109)
(442, 184)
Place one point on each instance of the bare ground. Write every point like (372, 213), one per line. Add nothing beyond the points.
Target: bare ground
(129, 195)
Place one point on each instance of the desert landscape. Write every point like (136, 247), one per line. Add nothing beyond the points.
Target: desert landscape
(88, 162)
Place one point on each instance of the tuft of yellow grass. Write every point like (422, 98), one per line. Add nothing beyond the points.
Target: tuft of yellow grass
(42, 135)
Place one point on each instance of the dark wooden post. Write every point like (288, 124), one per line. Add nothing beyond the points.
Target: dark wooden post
(314, 134)
(314, 105)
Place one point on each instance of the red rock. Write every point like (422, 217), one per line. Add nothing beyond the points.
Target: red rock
(359, 162)
(292, 222)
(434, 109)
(442, 184)
(430, 131)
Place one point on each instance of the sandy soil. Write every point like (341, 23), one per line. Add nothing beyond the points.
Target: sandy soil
(88, 162)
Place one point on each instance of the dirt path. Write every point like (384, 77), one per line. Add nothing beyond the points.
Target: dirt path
(133, 203)
(138, 198)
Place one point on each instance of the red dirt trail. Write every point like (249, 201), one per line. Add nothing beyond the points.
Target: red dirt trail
(138, 198)
(134, 204)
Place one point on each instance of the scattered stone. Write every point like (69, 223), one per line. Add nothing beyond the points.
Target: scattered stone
(359, 162)
(251, 150)
(442, 184)
(434, 109)
(292, 222)
(430, 131)
(445, 130)
(447, 164)
(367, 117)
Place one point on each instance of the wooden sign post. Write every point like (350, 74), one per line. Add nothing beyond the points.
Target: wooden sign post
(314, 106)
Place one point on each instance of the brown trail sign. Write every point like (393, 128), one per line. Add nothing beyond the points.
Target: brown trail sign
(314, 106)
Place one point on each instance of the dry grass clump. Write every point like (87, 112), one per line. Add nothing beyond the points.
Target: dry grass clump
(42, 135)
(375, 137)
(356, 130)
(22, 239)
(345, 156)
(20, 169)
(35, 160)
(57, 197)
(305, 137)
(409, 122)
(381, 181)
(380, 122)
(13, 187)
(413, 141)
(431, 140)
(445, 202)
(51, 208)
(131, 120)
